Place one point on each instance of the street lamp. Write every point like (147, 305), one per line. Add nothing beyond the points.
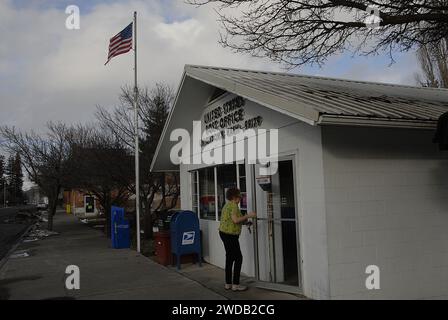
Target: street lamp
(4, 193)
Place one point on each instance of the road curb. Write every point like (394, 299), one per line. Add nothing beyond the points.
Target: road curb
(14, 246)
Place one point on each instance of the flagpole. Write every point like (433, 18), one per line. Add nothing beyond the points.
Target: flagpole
(137, 167)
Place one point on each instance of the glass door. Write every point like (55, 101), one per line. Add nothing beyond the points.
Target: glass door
(276, 229)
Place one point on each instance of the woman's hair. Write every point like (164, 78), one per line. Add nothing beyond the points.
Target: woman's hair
(233, 193)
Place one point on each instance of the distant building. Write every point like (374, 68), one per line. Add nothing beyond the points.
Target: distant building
(35, 196)
(81, 203)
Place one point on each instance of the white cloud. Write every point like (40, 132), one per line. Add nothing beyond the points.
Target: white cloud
(179, 35)
(50, 73)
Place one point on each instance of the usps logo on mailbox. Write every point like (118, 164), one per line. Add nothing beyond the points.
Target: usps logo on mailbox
(188, 238)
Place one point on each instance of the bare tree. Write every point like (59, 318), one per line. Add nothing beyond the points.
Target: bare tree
(3, 180)
(154, 106)
(299, 32)
(102, 166)
(45, 159)
(433, 60)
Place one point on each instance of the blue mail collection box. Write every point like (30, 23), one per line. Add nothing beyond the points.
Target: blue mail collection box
(185, 235)
(120, 229)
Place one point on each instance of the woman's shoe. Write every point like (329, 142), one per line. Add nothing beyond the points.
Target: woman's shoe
(237, 287)
(227, 286)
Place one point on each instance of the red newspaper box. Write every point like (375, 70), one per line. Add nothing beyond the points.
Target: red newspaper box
(162, 246)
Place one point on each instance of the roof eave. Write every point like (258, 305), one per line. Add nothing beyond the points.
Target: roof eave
(165, 128)
(376, 122)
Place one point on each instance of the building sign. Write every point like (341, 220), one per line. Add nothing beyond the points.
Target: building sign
(228, 118)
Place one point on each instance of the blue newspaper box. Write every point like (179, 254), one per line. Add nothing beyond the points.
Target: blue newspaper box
(185, 235)
(120, 229)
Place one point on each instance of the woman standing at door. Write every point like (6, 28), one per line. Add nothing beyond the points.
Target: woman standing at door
(229, 231)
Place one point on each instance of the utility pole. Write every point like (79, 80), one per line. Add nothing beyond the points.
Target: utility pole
(12, 181)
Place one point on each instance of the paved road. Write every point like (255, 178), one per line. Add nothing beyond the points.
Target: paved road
(10, 233)
(7, 212)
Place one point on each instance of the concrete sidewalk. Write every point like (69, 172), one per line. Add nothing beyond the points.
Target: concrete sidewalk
(108, 273)
(105, 273)
(212, 278)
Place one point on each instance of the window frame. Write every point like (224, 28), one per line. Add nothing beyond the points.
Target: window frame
(215, 170)
(192, 193)
(238, 181)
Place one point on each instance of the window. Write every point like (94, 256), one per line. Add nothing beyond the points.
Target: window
(207, 200)
(210, 185)
(226, 179)
(241, 174)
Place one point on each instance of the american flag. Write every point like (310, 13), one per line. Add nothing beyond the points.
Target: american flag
(121, 43)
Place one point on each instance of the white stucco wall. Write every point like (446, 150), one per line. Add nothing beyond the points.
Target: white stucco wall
(303, 141)
(386, 196)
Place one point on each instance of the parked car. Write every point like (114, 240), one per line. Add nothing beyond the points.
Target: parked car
(42, 206)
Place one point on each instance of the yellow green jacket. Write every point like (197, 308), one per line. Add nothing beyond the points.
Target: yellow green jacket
(227, 225)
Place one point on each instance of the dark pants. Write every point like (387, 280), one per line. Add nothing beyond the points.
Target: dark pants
(234, 258)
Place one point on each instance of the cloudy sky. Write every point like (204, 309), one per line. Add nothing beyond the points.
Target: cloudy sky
(50, 73)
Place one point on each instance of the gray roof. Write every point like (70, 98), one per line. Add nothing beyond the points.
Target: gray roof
(314, 100)
(319, 100)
